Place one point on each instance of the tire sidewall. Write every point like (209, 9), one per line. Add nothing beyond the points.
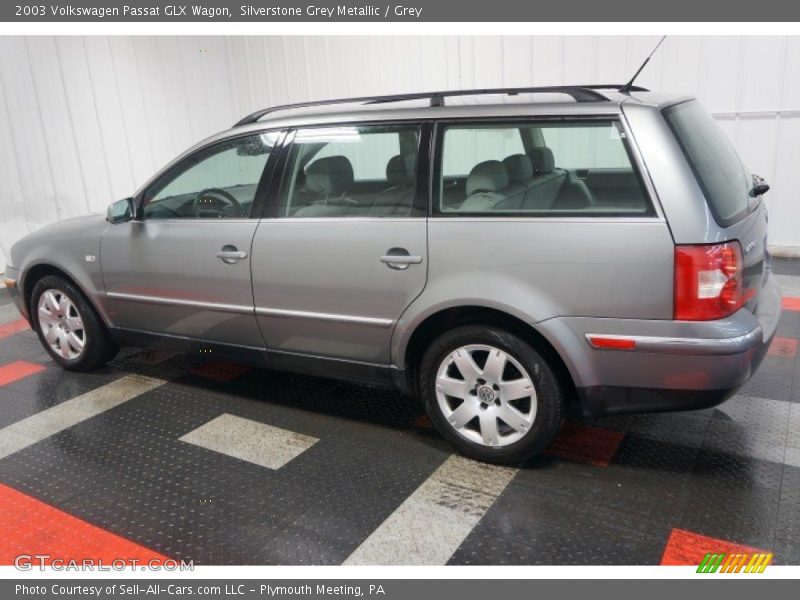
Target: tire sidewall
(549, 409)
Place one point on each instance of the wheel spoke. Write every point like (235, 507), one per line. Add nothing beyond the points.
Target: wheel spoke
(466, 365)
(495, 365)
(64, 305)
(63, 344)
(489, 431)
(51, 302)
(514, 390)
(75, 323)
(51, 335)
(513, 418)
(455, 388)
(464, 413)
(45, 316)
(75, 342)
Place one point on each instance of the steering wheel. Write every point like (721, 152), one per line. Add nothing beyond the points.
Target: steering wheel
(231, 206)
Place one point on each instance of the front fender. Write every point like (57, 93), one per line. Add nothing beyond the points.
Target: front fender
(71, 246)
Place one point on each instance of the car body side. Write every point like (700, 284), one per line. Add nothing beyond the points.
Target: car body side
(615, 277)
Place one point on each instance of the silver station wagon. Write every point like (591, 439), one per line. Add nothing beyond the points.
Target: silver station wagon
(501, 254)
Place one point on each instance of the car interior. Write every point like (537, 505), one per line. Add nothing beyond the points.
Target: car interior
(216, 183)
(325, 183)
(371, 172)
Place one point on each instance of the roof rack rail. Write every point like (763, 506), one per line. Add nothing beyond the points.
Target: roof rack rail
(580, 93)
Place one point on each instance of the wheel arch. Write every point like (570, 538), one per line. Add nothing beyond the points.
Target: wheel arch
(445, 319)
(36, 272)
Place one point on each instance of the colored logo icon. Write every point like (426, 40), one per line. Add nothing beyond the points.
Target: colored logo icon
(734, 563)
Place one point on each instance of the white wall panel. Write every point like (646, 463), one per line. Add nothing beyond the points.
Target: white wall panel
(84, 121)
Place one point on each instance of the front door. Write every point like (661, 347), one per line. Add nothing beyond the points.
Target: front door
(346, 251)
(183, 267)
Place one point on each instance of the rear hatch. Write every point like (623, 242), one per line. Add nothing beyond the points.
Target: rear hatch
(727, 187)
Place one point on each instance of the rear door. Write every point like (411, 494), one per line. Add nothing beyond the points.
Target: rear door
(343, 251)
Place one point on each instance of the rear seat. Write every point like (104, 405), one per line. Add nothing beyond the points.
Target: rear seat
(486, 183)
(520, 175)
(551, 188)
(398, 199)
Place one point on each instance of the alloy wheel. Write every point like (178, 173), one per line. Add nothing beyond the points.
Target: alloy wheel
(61, 324)
(486, 395)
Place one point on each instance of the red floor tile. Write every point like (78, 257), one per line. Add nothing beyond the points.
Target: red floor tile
(220, 371)
(783, 346)
(688, 548)
(583, 443)
(18, 370)
(29, 526)
(13, 327)
(791, 303)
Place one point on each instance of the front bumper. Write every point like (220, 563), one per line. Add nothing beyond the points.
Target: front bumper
(13, 275)
(675, 365)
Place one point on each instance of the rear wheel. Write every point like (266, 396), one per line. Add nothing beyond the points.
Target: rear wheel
(491, 394)
(68, 326)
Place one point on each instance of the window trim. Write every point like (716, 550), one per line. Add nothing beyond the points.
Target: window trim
(421, 202)
(180, 164)
(653, 210)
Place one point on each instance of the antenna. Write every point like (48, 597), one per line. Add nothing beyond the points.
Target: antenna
(626, 89)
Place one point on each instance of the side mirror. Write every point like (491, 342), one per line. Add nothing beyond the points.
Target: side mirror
(121, 211)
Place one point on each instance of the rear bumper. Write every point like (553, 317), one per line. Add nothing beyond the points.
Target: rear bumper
(675, 365)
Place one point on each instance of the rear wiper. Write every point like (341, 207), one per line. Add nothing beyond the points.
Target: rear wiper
(760, 186)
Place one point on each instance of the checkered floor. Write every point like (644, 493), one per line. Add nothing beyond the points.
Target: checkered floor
(159, 455)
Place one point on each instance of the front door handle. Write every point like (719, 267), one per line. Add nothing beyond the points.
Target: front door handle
(231, 254)
(400, 259)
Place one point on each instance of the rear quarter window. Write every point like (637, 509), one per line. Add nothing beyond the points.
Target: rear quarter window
(713, 159)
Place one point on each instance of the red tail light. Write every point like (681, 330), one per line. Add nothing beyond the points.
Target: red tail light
(708, 281)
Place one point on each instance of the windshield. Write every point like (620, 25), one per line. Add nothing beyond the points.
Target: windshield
(717, 167)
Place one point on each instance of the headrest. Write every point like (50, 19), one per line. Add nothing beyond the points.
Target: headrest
(519, 167)
(488, 176)
(543, 161)
(400, 170)
(329, 176)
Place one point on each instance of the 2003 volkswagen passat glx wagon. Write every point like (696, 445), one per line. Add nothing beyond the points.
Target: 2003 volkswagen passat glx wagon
(500, 253)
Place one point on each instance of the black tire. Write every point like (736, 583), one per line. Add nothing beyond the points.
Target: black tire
(549, 408)
(99, 348)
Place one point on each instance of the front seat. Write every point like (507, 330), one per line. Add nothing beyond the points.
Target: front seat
(485, 183)
(328, 179)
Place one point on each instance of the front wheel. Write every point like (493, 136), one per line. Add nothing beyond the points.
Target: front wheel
(68, 326)
(491, 394)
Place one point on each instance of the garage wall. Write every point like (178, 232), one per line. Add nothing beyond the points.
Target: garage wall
(86, 120)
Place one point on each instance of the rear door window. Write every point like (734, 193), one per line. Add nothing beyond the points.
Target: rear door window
(712, 157)
(541, 169)
(352, 171)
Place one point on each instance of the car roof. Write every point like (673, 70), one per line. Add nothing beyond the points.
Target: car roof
(496, 106)
(489, 104)
(594, 99)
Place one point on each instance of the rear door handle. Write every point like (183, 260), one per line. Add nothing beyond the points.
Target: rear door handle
(231, 254)
(399, 259)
